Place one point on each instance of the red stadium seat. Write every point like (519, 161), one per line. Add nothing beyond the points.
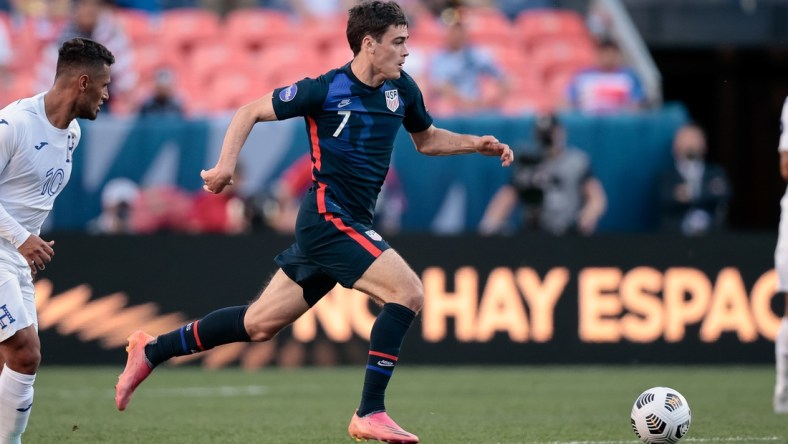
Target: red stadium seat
(255, 28)
(534, 25)
(561, 56)
(211, 59)
(323, 33)
(337, 56)
(148, 57)
(234, 87)
(138, 25)
(184, 29)
(425, 31)
(487, 26)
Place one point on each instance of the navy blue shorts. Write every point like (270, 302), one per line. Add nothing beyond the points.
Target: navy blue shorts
(330, 247)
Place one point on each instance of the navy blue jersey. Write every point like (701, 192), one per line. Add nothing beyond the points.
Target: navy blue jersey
(352, 128)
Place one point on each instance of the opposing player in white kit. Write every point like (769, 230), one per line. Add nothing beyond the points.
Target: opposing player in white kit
(781, 265)
(38, 136)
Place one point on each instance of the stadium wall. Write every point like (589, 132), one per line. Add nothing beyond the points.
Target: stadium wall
(514, 300)
(627, 152)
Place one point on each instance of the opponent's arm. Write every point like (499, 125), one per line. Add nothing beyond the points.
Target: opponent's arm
(440, 142)
(260, 110)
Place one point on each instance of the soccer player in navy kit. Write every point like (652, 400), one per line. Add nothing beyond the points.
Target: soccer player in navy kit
(352, 116)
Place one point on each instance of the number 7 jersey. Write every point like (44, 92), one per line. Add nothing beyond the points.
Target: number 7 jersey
(35, 165)
(351, 128)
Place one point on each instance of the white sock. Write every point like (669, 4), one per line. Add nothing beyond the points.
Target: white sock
(16, 401)
(781, 355)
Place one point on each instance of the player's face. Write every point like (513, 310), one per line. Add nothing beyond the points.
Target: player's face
(96, 92)
(390, 53)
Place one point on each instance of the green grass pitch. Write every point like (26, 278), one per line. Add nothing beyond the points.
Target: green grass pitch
(507, 405)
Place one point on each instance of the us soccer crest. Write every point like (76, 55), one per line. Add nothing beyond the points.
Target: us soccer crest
(392, 99)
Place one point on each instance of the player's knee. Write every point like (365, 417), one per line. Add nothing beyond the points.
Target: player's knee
(411, 295)
(25, 360)
(260, 334)
(415, 302)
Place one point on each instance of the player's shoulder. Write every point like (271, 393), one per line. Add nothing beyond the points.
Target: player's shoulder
(308, 86)
(19, 112)
(74, 129)
(406, 83)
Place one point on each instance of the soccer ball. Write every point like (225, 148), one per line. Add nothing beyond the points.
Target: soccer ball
(660, 416)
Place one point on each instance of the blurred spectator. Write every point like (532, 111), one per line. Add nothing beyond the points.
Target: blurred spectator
(608, 87)
(458, 74)
(6, 57)
(160, 209)
(117, 198)
(94, 19)
(694, 192)
(554, 186)
(280, 207)
(223, 213)
(315, 9)
(40, 8)
(163, 102)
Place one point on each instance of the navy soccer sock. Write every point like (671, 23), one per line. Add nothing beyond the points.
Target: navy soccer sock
(385, 340)
(219, 327)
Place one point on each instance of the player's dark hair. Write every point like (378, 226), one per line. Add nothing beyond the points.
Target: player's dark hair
(82, 53)
(373, 18)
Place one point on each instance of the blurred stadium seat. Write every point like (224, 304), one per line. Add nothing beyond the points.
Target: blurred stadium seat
(325, 33)
(555, 57)
(138, 25)
(487, 26)
(184, 29)
(234, 87)
(426, 31)
(255, 28)
(535, 26)
(213, 59)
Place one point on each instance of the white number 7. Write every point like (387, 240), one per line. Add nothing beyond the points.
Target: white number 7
(345, 113)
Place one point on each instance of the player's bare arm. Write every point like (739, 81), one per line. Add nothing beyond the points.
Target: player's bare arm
(440, 142)
(784, 165)
(221, 175)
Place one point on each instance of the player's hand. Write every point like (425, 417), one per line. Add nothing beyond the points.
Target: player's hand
(37, 252)
(216, 179)
(490, 146)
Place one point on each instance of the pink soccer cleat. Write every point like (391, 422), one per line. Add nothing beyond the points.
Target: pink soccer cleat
(380, 427)
(137, 369)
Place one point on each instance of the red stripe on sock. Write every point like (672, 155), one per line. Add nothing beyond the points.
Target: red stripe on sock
(197, 338)
(383, 355)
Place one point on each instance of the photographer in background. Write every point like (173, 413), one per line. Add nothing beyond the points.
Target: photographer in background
(552, 185)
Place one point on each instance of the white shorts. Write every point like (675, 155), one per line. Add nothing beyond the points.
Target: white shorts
(781, 252)
(17, 299)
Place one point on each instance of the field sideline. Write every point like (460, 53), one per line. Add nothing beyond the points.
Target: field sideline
(506, 405)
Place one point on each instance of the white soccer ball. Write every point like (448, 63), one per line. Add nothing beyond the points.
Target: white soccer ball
(660, 415)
